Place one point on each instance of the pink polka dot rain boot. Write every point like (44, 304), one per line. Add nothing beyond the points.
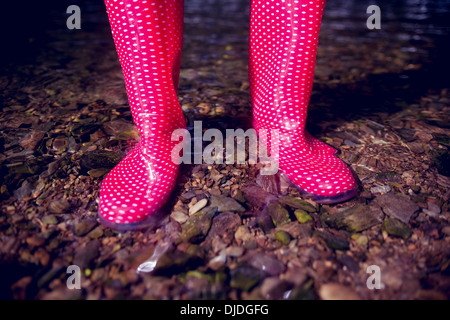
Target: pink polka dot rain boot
(283, 47)
(148, 36)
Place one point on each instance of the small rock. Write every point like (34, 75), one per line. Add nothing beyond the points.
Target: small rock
(218, 261)
(31, 140)
(334, 242)
(388, 176)
(188, 195)
(416, 147)
(59, 206)
(297, 203)
(179, 217)
(50, 219)
(237, 195)
(267, 264)
(198, 206)
(278, 214)
(243, 234)
(283, 237)
(245, 277)
(234, 251)
(355, 219)
(96, 233)
(302, 216)
(224, 226)
(60, 144)
(397, 206)
(196, 227)
(226, 204)
(397, 228)
(84, 227)
(273, 288)
(35, 241)
(256, 196)
(360, 239)
(97, 173)
(335, 291)
(99, 159)
(297, 230)
(381, 189)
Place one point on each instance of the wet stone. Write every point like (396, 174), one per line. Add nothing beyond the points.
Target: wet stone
(226, 204)
(256, 196)
(397, 228)
(355, 219)
(224, 226)
(388, 176)
(245, 277)
(296, 230)
(274, 288)
(278, 214)
(334, 242)
(297, 203)
(397, 206)
(283, 237)
(198, 206)
(99, 159)
(59, 206)
(84, 227)
(302, 216)
(266, 263)
(50, 219)
(196, 227)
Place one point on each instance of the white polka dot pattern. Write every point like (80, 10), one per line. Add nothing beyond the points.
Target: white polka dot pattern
(148, 37)
(283, 46)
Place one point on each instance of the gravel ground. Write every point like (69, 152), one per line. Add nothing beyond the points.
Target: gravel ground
(380, 98)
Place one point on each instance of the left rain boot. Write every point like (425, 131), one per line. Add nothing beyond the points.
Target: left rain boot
(282, 53)
(148, 35)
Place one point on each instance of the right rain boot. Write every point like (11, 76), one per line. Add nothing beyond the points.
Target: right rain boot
(282, 53)
(148, 36)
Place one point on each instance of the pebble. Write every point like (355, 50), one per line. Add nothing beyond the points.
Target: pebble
(50, 219)
(283, 237)
(226, 204)
(84, 227)
(268, 264)
(273, 288)
(297, 203)
(278, 213)
(59, 206)
(395, 227)
(355, 219)
(179, 217)
(245, 277)
(198, 206)
(397, 206)
(381, 189)
(302, 216)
